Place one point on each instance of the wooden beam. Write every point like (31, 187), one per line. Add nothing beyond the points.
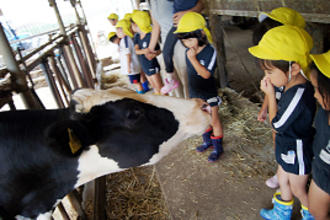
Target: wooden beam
(217, 30)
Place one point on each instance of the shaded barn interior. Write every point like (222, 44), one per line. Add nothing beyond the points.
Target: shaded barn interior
(183, 185)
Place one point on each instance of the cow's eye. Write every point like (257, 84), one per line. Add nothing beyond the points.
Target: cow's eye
(134, 113)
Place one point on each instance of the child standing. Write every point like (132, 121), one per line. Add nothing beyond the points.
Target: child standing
(128, 59)
(319, 191)
(201, 64)
(277, 17)
(180, 7)
(141, 24)
(283, 53)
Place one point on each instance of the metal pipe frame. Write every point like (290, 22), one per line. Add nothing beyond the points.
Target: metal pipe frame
(82, 61)
(51, 82)
(27, 96)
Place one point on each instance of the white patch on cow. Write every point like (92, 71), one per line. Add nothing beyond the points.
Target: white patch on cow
(43, 216)
(18, 217)
(92, 165)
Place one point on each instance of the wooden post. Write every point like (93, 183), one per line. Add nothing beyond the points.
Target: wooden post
(99, 198)
(217, 30)
(75, 201)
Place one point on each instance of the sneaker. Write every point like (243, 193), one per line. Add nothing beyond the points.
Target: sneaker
(169, 86)
(145, 86)
(272, 182)
(139, 92)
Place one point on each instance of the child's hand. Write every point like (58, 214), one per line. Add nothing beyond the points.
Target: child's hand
(262, 114)
(177, 16)
(150, 55)
(191, 53)
(266, 86)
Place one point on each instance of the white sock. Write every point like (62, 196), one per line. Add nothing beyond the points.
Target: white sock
(169, 76)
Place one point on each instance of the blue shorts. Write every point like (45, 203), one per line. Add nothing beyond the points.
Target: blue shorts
(294, 156)
(151, 71)
(134, 78)
(321, 174)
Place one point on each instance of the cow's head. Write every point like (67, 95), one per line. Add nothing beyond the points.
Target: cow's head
(122, 129)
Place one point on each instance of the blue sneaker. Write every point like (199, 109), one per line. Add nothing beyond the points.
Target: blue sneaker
(145, 86)
(281, 210)
(206, 141)
(306, 215)
(140, 92)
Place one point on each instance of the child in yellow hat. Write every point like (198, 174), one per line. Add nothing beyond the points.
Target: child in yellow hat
(113, 18)
(283, 53)
(113, 38)
(201, 63)
(319, 191)
(277, 17)
(141, 24)
(128, 59)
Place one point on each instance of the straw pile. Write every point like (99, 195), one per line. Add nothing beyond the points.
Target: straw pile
(135, 194)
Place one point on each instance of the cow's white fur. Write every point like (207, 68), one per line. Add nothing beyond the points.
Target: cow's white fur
(43, 216)
(92, 165)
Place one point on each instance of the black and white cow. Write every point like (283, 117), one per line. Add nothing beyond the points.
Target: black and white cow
(45, 154)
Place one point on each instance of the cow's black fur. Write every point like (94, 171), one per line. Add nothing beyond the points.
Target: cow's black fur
(37, 166)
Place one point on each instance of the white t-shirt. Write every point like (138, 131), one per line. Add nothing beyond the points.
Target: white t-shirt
(126, 46)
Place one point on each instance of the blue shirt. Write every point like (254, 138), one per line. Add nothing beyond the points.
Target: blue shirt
(182, 5)
(144, 43)
(321, 144)
(198, 86)
(294, 117)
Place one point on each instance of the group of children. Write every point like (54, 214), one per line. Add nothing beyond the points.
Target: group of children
(293, 80)
(201, 64)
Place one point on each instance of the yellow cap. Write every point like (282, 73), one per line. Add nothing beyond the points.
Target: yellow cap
(286, 16)
(192, 21)
(113, 16)
(142, 20)
(111, 34)
(285, 42)
(128, 16)
(322, 61)
(125, 25)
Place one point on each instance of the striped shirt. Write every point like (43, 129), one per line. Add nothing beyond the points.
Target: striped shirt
(293, 123)
(198, 86)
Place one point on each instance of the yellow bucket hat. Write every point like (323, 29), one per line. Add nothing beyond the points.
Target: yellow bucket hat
(285, 16)
(322, 61)
(113, 16)
(125, 25)
(111, 34)
(286, 42)
(128, 16)
(192, 21)
(142, 20)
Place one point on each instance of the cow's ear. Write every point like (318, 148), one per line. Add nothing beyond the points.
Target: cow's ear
(68, 137)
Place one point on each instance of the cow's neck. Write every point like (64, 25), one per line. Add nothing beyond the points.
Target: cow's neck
(92, 165)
